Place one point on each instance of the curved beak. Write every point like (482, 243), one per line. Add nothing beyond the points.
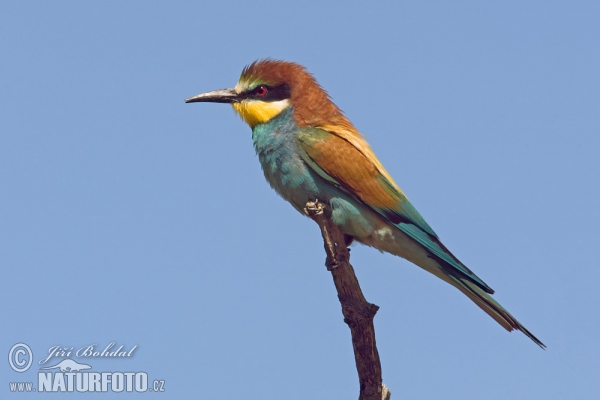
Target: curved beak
(216, 96)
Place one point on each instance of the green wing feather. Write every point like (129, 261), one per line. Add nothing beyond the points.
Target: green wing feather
(340, 162)
(347, 161)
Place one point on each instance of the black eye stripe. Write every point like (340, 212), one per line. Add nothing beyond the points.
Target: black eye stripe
(274, 93)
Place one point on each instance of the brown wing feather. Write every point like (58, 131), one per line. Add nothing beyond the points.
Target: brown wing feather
(350, 166)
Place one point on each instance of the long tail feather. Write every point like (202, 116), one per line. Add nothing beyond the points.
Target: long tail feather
(493, 309)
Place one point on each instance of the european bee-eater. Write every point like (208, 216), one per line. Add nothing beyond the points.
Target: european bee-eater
(310, 151)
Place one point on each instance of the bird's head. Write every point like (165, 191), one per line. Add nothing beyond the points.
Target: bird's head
(267, 87)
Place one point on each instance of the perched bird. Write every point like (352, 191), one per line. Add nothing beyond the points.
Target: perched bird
(310, 151)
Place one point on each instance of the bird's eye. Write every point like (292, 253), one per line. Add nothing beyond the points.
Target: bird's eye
(260, 91)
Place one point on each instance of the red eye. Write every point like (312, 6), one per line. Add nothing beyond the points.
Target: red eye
(261, 91)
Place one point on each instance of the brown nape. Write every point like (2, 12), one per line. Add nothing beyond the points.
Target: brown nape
(312, 105)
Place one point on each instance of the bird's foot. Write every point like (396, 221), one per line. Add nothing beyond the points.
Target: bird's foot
(335, 247)
(314, 208)
(332, 264)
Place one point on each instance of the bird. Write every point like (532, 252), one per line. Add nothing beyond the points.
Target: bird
(309, 150)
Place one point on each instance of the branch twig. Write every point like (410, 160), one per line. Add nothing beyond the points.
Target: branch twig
(358, 313)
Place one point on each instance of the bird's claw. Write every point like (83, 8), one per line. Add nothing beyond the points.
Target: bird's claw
(331, 264)
(314, 208)
(336, 261)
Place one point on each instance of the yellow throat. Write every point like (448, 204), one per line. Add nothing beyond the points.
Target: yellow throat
(255, 112)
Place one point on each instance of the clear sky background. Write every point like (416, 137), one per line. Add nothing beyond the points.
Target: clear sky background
(128, 216)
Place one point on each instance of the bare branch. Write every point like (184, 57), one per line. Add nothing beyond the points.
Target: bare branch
(358, 313)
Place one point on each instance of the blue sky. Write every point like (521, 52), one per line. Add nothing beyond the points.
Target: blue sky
(128, 216)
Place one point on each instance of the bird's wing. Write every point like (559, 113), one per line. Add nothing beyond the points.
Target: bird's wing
(350, 162)
(344, 158)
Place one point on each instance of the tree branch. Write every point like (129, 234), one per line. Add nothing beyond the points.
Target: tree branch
(358, 313)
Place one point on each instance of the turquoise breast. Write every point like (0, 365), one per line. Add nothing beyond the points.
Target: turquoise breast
(285, 170)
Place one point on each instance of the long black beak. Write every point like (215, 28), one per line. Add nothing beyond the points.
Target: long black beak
(216, 96)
